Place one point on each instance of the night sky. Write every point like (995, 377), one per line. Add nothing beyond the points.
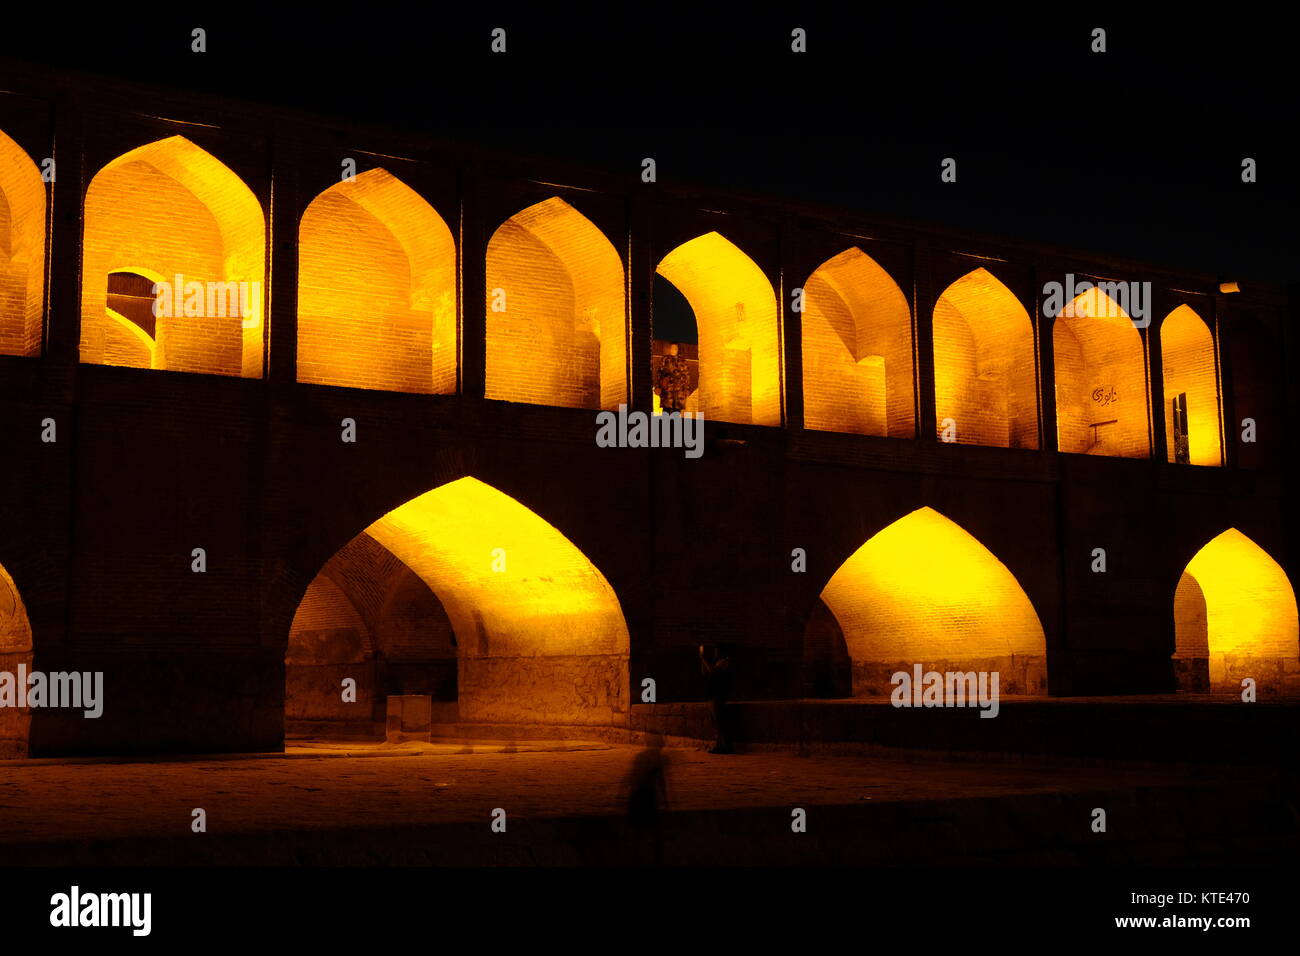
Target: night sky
(1134, 152)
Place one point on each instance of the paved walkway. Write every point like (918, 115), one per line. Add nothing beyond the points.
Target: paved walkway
(323, 787)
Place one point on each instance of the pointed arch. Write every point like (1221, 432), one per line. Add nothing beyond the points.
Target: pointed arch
(15, 651)
(172, 209)
(735, 311)
(985, 376)
(536, 631)
(376, 289)
(1101, 383)
(857, 350)
(22, 251)
(1192, 411)
(1235, 617)
(556, 311)
(924, 591)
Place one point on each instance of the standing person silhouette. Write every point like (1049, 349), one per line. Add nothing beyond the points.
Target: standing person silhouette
(715, 664)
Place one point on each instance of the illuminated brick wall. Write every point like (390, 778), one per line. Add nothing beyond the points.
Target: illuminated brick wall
(162, 210)
(22, 251)
(1250, 624)
(376, 289)
(15, 649)
(925, 591)
(1187, 348)
(556, 311)
(736, 315)
(984, 365)
(367, 617)
(541, 634)
(1100, 377)
(857, 350)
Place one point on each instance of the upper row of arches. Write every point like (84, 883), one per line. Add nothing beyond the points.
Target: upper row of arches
(378, 293)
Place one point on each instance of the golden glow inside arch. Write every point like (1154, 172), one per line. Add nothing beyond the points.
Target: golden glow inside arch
(22, 251)
(376, 289)
(1101, 384)
(15, 650)
(1190, 370)
(1249, 612)
(736, 315)
(923, 590)
(857, 350)
(170, 208)
(556, 311)
(541, 632)
(985, 381)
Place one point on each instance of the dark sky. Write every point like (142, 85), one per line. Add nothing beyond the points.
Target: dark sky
(1135, 152)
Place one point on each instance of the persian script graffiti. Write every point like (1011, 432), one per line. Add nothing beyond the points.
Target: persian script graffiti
(1105, 395)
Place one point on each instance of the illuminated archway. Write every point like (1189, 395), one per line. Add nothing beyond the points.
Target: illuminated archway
(924, 591)
(22, 251)
(1101, 385)
(376, 289)
(171, 209)
(536, 632)
(1235, 617)
(556, 311)
(1191, 389)
(857, 350)
(15, 650)
(735, 311)
(985, 383)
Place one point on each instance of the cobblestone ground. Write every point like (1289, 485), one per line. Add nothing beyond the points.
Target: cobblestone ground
(320, 787)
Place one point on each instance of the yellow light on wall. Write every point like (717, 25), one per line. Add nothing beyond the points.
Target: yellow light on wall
(15, 652)
(1187, 351)
(376, 289)
(1250, 606)
(1101, 387)
(857, 350)
(171, 209)
(541, 632)
(736, 315)
(556, 311)
(984, 365)
(22, 251)
(923, 590)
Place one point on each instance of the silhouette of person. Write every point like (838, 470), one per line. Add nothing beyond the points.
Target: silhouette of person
(715, 664)
(646, 788)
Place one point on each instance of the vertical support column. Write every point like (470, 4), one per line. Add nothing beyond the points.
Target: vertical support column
(923, 299)
(1231, 423)
(792, 327)
(475, 230)
(1043, 328)
(63, 326)
(640, 283)
(282, 226)
(1160, 307)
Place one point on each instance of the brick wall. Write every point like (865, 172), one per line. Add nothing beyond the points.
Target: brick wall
(376, 289)
(22, 251)
(857, 350)
(1100, 376)
(736, 315)
(925, 591)
(984, 366)
(561, 338)
(161, 210)
(1187, 350)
